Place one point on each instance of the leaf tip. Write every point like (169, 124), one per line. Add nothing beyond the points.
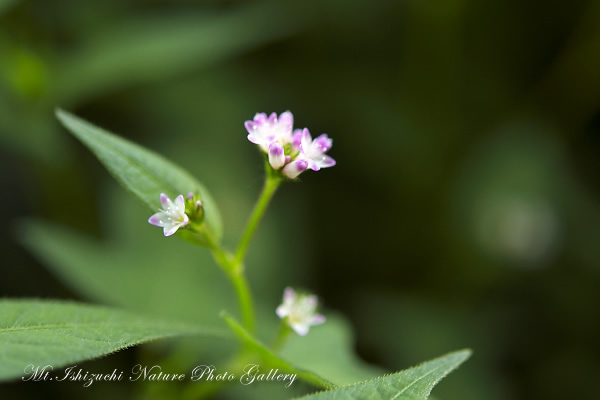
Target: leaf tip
(463, 354)
(63, 116)
(60, 113)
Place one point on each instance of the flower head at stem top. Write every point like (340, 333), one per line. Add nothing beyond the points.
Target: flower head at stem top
(299, 311)
(172, 216)
(290, 151)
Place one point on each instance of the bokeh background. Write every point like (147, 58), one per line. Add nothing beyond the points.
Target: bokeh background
(464, 210)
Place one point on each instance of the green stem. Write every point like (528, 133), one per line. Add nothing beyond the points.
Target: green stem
(244, 295)
(233, 265)
(271, 184)
(239, 282)
(282, 336)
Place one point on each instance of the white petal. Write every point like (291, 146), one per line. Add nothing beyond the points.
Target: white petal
(276, 155)
(289, 296)
(179, 204)
(311, 301)
(301, 329)
(254, 138)
(170, 229)
(282, 311)
(325, 162)
(306, 141)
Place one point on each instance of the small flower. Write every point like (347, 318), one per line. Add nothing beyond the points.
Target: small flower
(299, 311)
(264, 130)
(314, 151)
(172, 216)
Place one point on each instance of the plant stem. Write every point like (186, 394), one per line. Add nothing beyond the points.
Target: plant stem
(239, 282)
(270, 186)
(233, 265)
(282, 336)
(244, 295)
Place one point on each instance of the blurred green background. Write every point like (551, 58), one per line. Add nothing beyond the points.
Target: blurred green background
(464, 210)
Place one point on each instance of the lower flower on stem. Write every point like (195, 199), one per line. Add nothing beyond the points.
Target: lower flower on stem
(299, 311)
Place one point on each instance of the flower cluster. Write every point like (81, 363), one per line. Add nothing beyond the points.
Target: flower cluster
(292, 151)
(299, 311)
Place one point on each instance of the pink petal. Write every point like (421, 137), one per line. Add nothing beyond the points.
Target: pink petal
(250, 126)
(323, 143)
(260, 118)
(297, 138)
(155, 219)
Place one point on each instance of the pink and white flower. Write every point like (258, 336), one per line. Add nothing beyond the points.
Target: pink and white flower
(172, 216)
(299, 311)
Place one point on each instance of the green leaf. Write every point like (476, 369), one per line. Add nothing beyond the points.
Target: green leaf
(141, 171)
(56, 333)
(270, 358)
(411, 384)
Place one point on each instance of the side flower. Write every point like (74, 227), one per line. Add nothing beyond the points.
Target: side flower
(299, 311)
(172, 216)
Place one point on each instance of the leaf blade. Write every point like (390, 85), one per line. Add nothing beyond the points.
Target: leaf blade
(144, 173)
(69, 332)
(411, 384)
